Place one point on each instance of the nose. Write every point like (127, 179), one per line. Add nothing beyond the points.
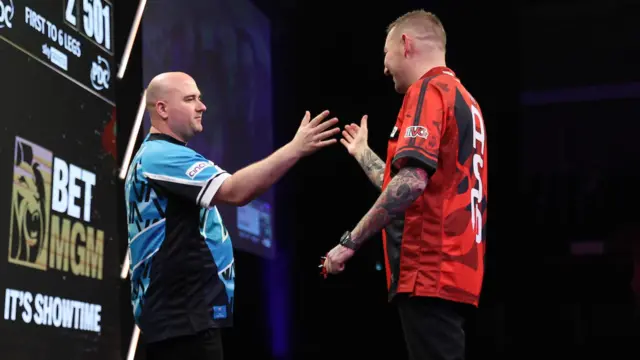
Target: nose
(202, 107)
(386, 71)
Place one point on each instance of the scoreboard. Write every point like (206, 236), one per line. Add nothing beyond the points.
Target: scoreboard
(59, 247)
(72, 37)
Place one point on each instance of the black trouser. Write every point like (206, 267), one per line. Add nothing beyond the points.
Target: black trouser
(205, 345)
(433, 327)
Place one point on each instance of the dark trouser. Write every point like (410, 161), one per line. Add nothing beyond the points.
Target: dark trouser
(433, 327)
(205, 345)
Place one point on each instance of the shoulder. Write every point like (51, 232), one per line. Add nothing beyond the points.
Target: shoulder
(164, 151)
(428, 91)
(162, 156)
(438, 85)
(156, 147)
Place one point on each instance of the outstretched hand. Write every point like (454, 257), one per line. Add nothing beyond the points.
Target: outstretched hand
(313, 135)
(354, 137)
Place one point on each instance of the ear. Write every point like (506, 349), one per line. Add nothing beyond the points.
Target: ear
(406, 43)
(161, 109)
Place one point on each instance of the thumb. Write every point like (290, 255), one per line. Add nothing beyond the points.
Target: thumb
(363, 122)
(306, 118)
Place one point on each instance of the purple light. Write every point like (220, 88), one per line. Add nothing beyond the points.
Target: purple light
(278, 305)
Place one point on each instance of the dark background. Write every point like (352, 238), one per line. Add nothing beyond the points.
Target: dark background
(559, 173)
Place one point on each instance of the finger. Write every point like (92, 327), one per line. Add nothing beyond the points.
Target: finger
(353, 132)
(322, 261)
(330, 268)
(305, 119)
(325, 125)
(347, 136)
(321, 144)
(316, 120)
(326, 134)
(345, 143)
(363, 122)
(337, 268)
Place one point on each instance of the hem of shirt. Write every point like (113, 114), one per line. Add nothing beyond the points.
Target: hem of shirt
(430, 165)
(185, 332)
(214, 184)
(436, 294)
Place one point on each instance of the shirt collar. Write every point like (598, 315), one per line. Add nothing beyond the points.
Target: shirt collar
(437, 71)
(165, 137)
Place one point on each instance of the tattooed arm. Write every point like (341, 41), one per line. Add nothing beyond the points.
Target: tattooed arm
(372, 165)
(401, 192)
(354, 138)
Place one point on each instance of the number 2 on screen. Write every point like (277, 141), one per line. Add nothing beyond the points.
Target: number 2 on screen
(96, 20)
(70, 14)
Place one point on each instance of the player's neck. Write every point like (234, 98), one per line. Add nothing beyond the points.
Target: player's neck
(427, 65)
(166, 131)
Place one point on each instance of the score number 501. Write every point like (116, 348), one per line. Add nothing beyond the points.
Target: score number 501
(96, 20)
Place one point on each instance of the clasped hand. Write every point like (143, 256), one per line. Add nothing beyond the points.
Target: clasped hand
(336, 259)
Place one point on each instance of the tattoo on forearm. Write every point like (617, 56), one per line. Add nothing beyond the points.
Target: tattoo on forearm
(373, 166)
(401, 192)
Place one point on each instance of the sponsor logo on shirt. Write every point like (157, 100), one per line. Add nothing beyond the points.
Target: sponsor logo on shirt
(197, 168)
(416, 131)
(219, 312)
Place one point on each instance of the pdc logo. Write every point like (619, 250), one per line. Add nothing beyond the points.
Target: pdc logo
(100, 74)
(51, 214)
(6, 13)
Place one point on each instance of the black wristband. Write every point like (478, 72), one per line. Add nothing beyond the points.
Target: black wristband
(346, 241)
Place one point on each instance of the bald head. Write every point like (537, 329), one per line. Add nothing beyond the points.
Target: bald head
(175, 105)
(162, 85)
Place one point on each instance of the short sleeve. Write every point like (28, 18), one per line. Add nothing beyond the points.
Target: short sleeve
(420, 132)
(183, 172)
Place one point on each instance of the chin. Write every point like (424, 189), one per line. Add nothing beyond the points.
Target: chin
(197, 128)
(400, 89)
(398, 86)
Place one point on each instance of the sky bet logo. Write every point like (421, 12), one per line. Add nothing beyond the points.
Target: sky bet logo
(51, 214)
